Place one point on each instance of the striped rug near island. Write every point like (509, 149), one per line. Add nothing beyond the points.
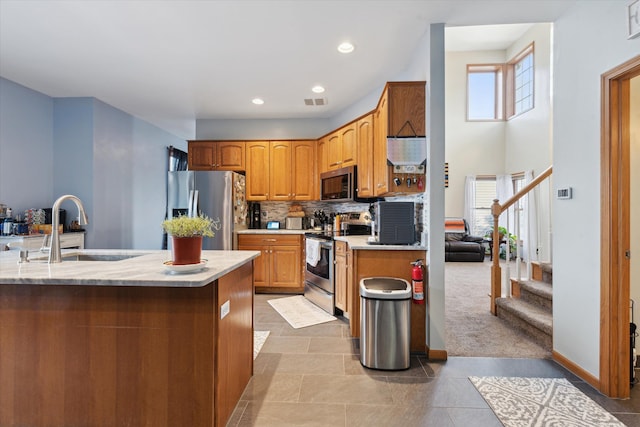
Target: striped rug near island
(525, 402)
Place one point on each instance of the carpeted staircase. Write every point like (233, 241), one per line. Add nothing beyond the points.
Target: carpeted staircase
(530, 307)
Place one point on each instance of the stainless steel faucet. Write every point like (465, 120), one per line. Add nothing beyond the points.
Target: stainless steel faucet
(54, 253)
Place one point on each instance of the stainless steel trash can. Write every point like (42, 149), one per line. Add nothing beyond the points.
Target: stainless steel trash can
(385, 323)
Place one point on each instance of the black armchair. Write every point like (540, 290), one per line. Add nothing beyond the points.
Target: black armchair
(459, 245)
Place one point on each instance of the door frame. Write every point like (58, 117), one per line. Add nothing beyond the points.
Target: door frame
(614, 229)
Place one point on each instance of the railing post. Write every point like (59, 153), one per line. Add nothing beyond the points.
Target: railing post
(496, 272)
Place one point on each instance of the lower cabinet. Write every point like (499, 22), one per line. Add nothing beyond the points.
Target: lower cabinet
(343, 276)
(279, 267)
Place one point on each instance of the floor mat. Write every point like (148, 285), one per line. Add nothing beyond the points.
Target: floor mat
(300, 312)
(541, 402)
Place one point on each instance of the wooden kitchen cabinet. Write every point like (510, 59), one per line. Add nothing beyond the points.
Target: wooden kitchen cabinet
(343, 276)
(257, 179)
(322, 155)
(365, 156)
(342, 147)
(279, 266)
(400, 112)
(291, 170)
(217, 155)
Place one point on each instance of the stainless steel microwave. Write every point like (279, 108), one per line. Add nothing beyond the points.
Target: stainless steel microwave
(338, 185)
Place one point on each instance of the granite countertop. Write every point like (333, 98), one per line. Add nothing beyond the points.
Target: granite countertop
(141, 268)
(360, 243)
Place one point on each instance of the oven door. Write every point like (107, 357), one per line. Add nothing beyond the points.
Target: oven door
(321, 275)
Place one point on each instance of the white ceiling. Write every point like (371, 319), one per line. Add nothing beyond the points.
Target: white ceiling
(173, 61)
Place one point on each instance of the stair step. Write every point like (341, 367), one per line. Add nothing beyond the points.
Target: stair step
(537, 292)
(542, 271)
(530, 318)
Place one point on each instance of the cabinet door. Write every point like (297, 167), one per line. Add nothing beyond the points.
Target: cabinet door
(365, 157)
(323, 153)
(334, 150)
(380, 168)
(280, 171)
(257, 180)
(349, 143)
(406, 104)
(303, 170)
(260, 264)
(285, 266)
(230, 155)
(201, 155)
(341, 276)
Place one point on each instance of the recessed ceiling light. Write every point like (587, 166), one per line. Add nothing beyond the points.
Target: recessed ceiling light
(317, 89)
(346, 47)
(257, 101)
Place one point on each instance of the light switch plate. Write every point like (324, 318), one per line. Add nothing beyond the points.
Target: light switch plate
(224, 309)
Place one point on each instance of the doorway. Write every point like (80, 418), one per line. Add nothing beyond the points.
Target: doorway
(615, 266)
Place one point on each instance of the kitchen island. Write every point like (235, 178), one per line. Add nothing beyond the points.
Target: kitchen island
(116, 338)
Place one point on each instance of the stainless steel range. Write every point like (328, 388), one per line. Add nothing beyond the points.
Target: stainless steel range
(319, 285)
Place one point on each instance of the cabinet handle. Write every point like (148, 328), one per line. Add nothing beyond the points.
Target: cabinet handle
(268, 240)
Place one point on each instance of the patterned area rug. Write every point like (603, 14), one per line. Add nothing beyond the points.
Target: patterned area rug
(299, 311)
(259, 337)
(541, 402)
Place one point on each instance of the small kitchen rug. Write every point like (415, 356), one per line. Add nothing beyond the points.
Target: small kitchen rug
(536, 402)
(259, 337)
(300, 312)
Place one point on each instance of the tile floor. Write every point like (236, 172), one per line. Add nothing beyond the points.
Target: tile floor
(313, 377)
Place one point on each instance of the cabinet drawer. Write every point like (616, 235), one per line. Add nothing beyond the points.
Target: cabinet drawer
(341, 248)
(269, 239)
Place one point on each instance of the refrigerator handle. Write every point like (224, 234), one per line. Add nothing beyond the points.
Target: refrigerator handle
(195, 209)
(190, 205)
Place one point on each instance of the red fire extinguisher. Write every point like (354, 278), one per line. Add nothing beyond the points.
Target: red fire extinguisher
(417, 283)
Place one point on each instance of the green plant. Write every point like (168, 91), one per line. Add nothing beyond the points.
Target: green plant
(502, 231)
(184, 226)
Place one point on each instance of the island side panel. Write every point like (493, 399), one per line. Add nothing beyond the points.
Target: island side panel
(91, 355)
(234, 365)
(388, 263)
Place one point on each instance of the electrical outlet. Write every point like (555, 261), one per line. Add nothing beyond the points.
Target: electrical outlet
(224, 309)
(265, 214)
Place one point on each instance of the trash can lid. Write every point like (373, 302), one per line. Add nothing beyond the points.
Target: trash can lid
(385, 288)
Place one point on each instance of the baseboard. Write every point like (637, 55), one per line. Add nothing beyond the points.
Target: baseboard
(576, 370)
(437, 355)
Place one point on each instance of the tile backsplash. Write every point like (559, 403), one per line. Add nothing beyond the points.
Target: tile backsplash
(277, 211)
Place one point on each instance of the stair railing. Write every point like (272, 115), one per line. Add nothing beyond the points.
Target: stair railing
(496, 210)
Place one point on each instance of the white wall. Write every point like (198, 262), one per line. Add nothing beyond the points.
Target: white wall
(271, 129)
(528, 141)
(635, 199)
(473, 148)
(589, 40)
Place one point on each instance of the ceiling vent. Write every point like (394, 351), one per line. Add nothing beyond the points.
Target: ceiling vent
(315, 101)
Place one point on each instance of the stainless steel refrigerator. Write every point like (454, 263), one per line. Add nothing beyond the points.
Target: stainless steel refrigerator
(218, 194)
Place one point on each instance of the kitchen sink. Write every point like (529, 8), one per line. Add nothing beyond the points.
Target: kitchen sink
(97, 257)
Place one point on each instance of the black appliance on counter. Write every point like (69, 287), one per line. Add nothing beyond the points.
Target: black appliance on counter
(395, 223)
(254, 216)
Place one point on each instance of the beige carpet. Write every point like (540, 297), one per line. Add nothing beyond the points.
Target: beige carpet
(541, 402)
(471, 329)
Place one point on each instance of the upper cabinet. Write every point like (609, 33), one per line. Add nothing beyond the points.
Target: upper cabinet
(217, 155)
(400, 113)
(281, 170)
(257, 180)
(342, 147)
(365, 139)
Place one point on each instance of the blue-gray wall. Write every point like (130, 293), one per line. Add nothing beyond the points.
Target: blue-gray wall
(26, 147)
(114, 162)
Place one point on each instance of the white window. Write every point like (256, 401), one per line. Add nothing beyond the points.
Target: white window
(485, 192)
(520, 72)
(484, 92)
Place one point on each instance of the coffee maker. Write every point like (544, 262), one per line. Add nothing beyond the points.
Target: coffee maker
(254, 215)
